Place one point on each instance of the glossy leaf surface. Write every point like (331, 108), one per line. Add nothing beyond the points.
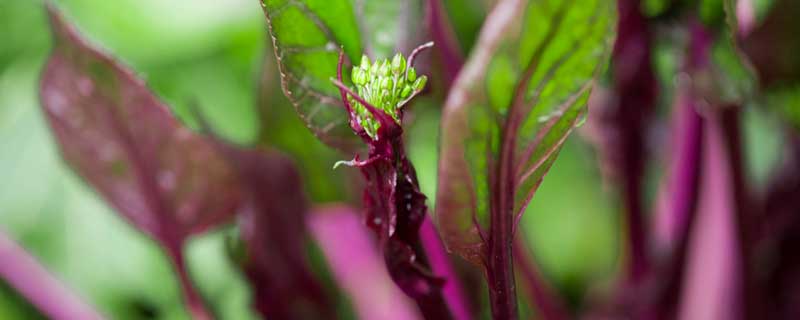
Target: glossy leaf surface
(523, 90)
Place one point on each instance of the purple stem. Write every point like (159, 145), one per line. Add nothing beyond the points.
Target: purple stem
(715, 284)
(500, 267)
(547, 303)
(31, 280)
(192, 298)
(680, 194)
(718, 283)
(443, 35)
(678, 203)
(635, 85)
(441, 266)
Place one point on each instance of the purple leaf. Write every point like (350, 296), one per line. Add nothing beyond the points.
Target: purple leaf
(164, 179)
(168, 181)
(357, 264)
(274, 232)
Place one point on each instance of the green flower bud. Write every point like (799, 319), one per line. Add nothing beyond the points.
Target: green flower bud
(406, 92)
(364, 62)
(412, 74)
(373, 70)
(385, 68)
(420, 83)
(387, 83)
(355, 76)
(398, 64)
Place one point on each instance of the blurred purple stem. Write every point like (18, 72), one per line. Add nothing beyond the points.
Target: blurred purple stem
(441, 266)
(635, 87)
(446, 42)
(679, 197)
(191, 297)
(32, 281)
(678, 201)
(677, 204)
(715, 282)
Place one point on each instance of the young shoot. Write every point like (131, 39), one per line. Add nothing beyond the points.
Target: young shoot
(385, 84)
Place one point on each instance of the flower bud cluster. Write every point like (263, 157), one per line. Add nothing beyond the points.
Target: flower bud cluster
(386, 85)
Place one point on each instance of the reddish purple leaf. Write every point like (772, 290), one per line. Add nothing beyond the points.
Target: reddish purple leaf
(166, 180)
(274, 232)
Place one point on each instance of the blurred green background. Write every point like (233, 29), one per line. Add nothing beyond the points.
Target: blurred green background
(211, 53)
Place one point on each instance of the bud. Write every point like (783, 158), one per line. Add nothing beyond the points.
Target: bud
(355, 76)
(412, 74)
(373, 70)
(398, 64)
(406, 92)
(420, 83)
(385, 68)
(387, 83)
(364, 62)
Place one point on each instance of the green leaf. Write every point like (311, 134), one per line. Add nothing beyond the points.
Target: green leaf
(307, 36)
(523, 90)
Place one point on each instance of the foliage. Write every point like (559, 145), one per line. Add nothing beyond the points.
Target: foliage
(705, 205)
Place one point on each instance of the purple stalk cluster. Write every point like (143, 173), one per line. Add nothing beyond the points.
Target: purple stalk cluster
(716, 247)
